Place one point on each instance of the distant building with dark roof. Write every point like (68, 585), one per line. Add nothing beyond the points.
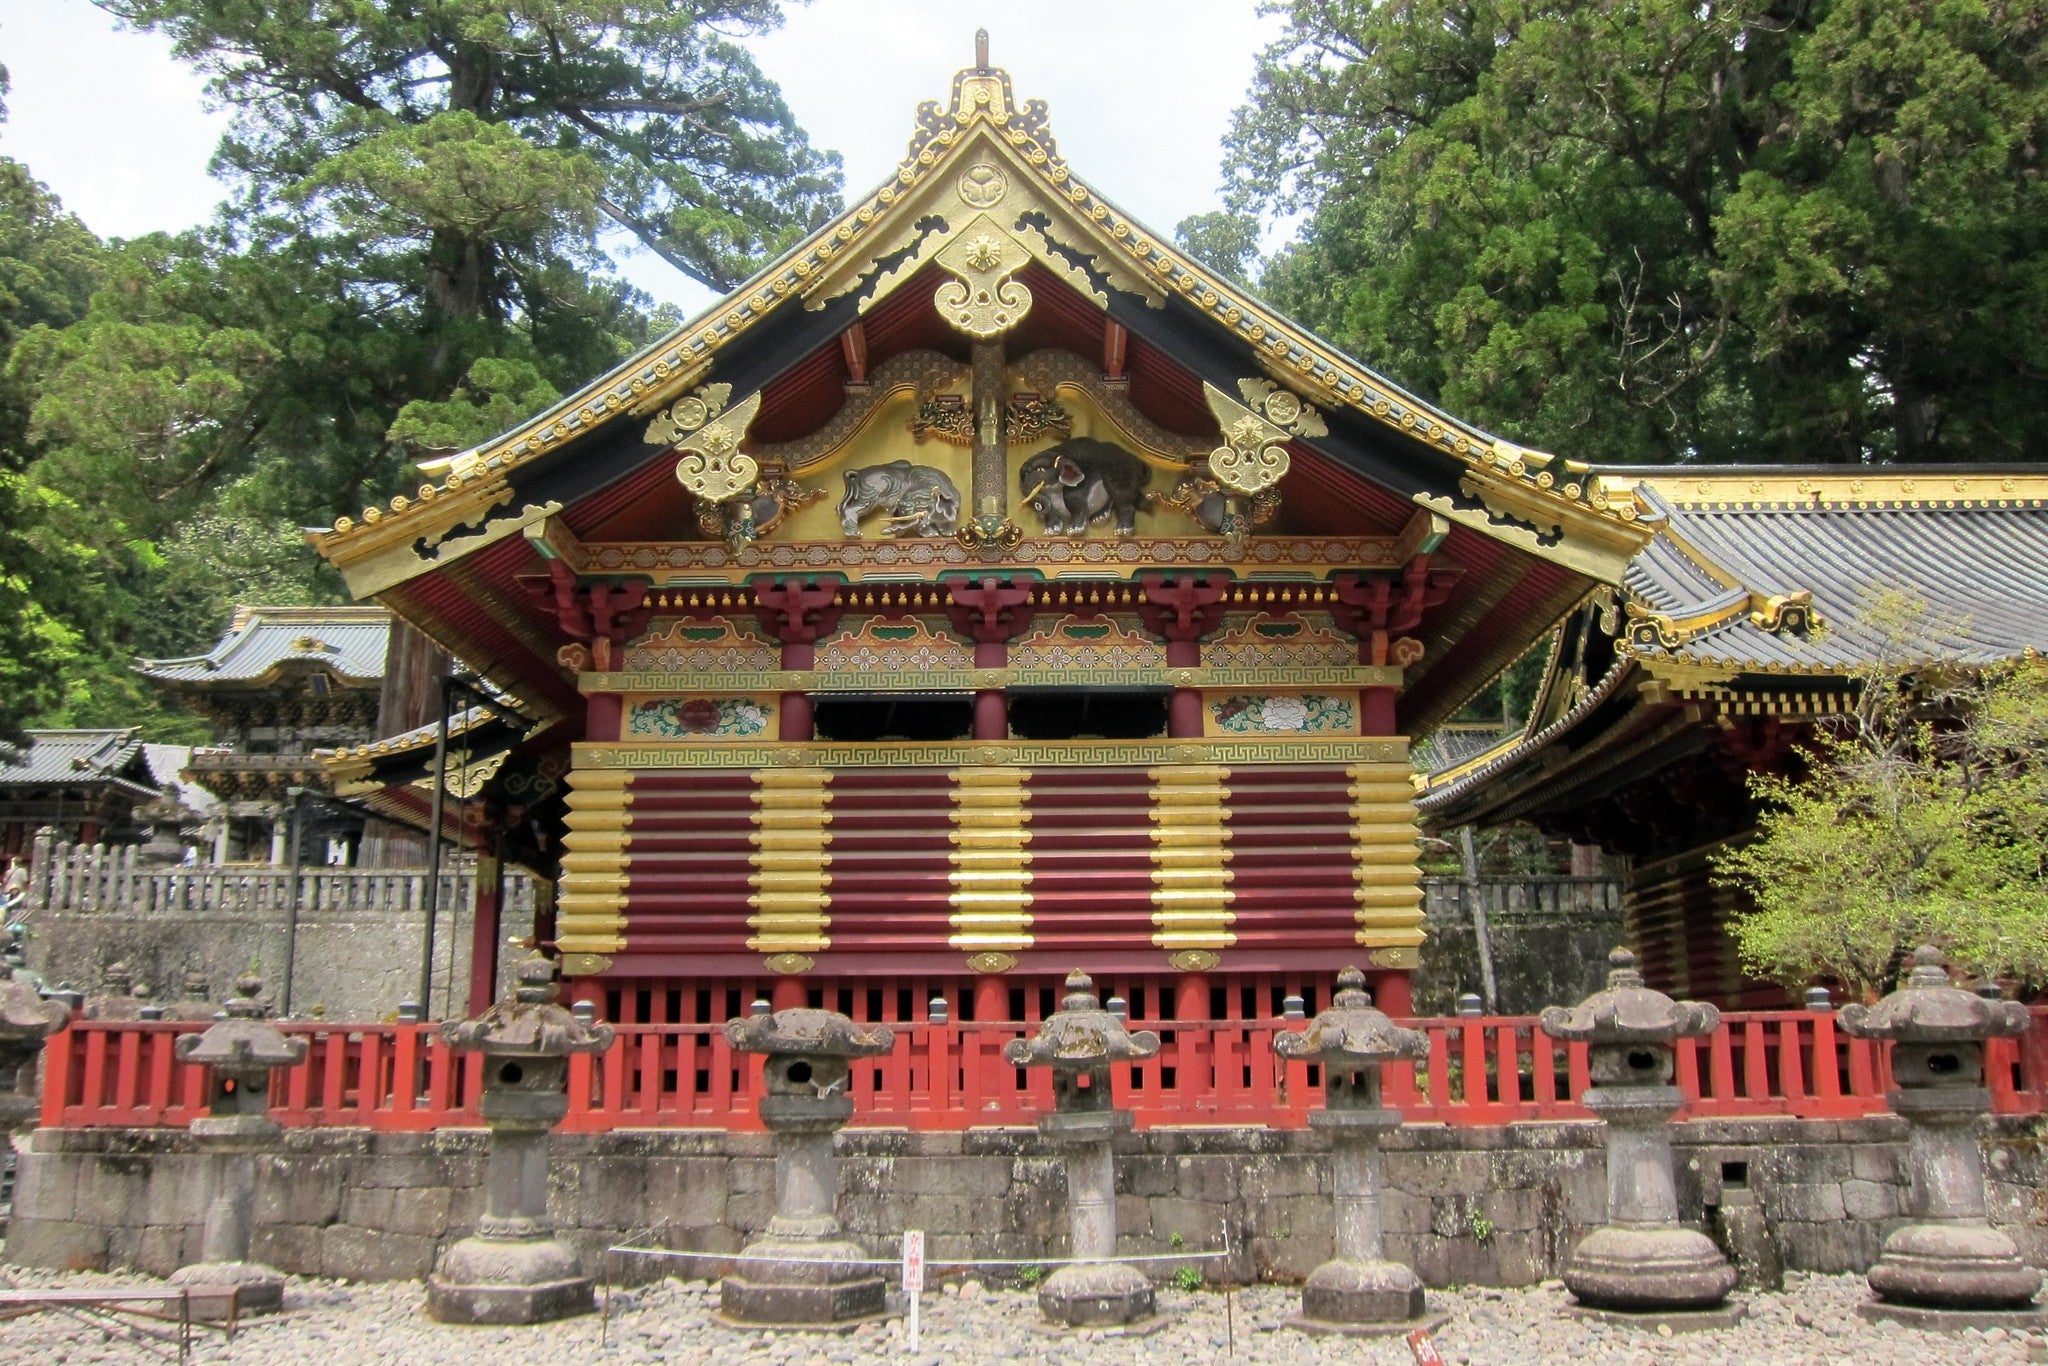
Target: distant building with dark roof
(282, 683)
(1753, 612)
(84, 784)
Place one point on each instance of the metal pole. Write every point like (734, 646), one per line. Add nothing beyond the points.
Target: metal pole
(291, 906)
(433, 892)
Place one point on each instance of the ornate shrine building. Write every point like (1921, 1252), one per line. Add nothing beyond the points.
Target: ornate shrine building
(281, 683)
(982, 590)
(1753, 614)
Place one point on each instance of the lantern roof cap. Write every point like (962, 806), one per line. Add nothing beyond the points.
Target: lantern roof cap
(1352, 1032)
(816, 1033)
(1628, 1011)
(1928, 1008)
(1081, 1035)
(528, 1022)
(246, 1039)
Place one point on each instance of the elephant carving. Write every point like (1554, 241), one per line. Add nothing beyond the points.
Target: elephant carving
(1083, 480)
(916, 500)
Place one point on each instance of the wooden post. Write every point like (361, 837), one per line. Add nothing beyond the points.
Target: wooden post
(483, 933)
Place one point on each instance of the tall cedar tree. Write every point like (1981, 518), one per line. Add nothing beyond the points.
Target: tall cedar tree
(410, 259)
(1661, 230)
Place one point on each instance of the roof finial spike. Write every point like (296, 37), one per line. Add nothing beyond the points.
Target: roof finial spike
(981, 49)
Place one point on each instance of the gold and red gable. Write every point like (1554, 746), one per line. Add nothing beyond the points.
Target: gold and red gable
(985, 590)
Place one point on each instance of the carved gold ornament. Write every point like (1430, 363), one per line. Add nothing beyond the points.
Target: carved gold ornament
(584, 964)
(1194, 960)
(712, 465)
(1255, 432)
(992, 961)
(788, 964)
(982, 300)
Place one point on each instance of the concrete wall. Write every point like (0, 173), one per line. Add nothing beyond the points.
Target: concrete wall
(1467, 1206)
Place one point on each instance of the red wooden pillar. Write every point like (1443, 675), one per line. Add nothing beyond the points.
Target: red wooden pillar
(796, 614)
(992, 614)
(1391, 994)
(602, 713)
(787, 993)
(797, 722)
(991, 999)
(1181, 611)
(483, 934)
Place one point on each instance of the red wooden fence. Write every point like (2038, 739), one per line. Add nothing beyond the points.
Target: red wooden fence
(1483, 1070)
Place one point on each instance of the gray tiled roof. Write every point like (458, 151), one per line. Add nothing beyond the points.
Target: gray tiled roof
(350, 641)
(70, 756)
(1981, 573)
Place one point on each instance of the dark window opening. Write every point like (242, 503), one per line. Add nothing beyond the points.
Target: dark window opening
(856, 720)
(1074, 714)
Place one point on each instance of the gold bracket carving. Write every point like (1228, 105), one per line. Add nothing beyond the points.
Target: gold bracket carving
(982, 300)
(1253, 455)
(1194, 960)
(584, 964)
(788, 964)
(1401, 956)
(712, 465)
(991, 961)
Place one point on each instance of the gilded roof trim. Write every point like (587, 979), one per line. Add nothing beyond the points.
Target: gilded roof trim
(1569, 492)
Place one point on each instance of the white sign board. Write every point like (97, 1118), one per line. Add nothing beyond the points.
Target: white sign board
(913, 1261)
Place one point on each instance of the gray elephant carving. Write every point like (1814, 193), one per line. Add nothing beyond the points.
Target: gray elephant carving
(1084, 480)
(915, 500)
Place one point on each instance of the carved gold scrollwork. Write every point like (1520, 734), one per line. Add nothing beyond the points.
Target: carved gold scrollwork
(982, 300)
(712, 465)
(1255, 432)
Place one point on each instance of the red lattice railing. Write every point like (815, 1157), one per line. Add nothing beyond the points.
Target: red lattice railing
(1480, 1071)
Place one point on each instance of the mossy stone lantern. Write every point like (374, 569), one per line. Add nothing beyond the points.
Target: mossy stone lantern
(1357, 1291)
(1080, 1042)
(238, 1051)
(1948, 1267)
(27, 1020)
(1641, 1261)
(513, 1269)
(813, 1273)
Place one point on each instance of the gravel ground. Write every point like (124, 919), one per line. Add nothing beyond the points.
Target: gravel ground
(337, 1324)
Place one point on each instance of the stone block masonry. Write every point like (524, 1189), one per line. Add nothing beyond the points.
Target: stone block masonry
(1467, 1206)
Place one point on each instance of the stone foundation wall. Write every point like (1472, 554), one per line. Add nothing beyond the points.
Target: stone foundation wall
(1498, 1206)
(1550, 937)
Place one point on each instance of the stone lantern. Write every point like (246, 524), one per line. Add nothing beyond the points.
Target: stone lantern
(27, 1021)
(1357, 1291)
(1641, 1261)
(818, 1276)
(1948, 1267)
(238, 1052)
(118, 1001)
(1079, 1042)
(513, 1269)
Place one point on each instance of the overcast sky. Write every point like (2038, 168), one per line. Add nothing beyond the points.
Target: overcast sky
(1141, 94)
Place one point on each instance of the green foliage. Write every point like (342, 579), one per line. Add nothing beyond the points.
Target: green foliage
(1187, 1278)
(1226, 242)
(496, 395)
(493, 126)
(1481, 1226)
(1924, 819)
(409, 263)
(1029, 1275)
(1661, 231)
